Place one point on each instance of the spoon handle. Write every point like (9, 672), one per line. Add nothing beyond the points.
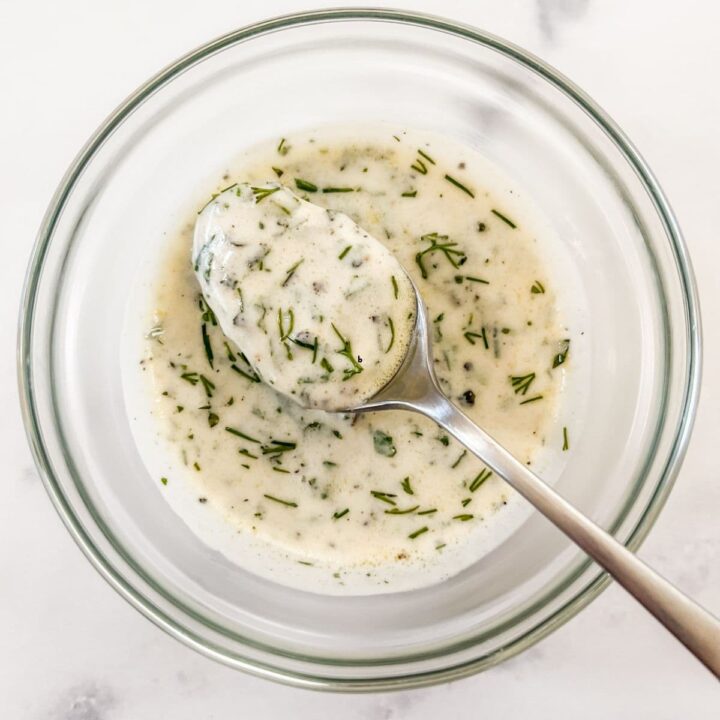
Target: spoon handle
(696, 628)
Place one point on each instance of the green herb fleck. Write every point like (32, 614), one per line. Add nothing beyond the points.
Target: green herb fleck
(521, 383)
(479, 479)
(459, 460)
(284, 329)
(391, 325)
(208, 385)
(347, 352)
(419, 532)
(305, 185)
(438, 243)
(537, 288)
(504, 218)
(459, 185)
(405, 484)
(291, 271)
(251, 377)
(395, 286)
(340, 513)
(384, 444)
(238, 433)
(384, 497)
(261, 193)
(344, 252)
(420, 167)
(287, 503)
(398, 511)
(566, 440)
(463, 517)
(207, 346)
(426, 156)
(562, 354)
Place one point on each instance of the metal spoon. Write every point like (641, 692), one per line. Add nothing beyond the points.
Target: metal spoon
(414, 387)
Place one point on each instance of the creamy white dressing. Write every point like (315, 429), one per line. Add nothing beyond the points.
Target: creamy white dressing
(318, 308)
(380, 502)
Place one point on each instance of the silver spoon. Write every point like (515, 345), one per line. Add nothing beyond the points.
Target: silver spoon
(414, 387)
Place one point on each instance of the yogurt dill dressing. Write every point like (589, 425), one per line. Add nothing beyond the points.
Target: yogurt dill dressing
(380, 502)
(322, 311)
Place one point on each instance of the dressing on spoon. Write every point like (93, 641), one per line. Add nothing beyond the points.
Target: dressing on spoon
(321, 310)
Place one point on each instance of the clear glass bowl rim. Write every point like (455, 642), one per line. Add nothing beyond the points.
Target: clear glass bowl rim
(145, 605)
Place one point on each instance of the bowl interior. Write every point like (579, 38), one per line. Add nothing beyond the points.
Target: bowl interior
(626, 300)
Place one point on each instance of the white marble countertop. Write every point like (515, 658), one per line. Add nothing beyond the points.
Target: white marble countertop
(73, 650)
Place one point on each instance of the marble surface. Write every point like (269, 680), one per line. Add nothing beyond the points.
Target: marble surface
(71, 649)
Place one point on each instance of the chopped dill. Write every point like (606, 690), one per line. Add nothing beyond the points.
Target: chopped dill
(419, 166)
(284, 329)
(287, 503)
(460, 186)
(208, 385)
(459, 460)
(261, 193)
(383, 444)
(419, 532)
(562, 354)
(291, 271)
(208, 347)
(347, 352)
(238, 433)
(384, 497)
(251, 377)
(392, 335)
(438, 243)
(479, 479)
(305, 185)
(504, 218)
(426, 156)
(521, 383)
(398, 511)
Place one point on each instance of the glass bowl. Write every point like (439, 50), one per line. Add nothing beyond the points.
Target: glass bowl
(637, 355)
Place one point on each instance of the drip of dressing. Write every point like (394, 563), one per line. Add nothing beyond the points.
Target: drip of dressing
(320, 309)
